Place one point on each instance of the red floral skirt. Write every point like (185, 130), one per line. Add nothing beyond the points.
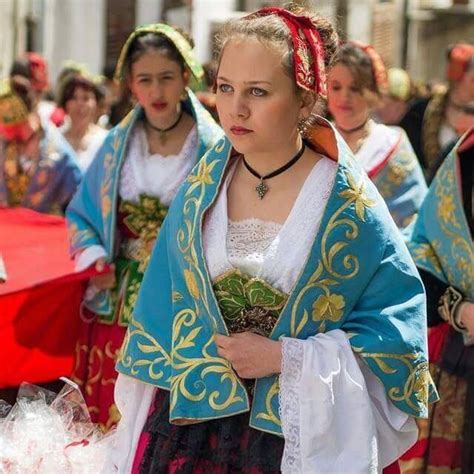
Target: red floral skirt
(94, 371)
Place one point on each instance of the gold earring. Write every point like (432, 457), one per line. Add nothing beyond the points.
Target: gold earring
(303, 127)
(184, 96)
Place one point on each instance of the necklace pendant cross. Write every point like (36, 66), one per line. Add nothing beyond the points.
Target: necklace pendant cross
(163, 138)
(261, 189)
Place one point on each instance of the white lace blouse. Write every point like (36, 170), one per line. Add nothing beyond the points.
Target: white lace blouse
(150, 174)
(336, 416)
(262, 248)
(154, 174)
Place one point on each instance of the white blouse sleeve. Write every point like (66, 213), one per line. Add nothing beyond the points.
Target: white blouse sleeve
(89, 256)
(336, 417)
(133, 399)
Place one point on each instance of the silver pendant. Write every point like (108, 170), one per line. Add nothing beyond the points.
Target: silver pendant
(261, 189)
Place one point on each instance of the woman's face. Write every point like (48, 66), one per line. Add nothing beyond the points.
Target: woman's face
(82, 106)
(346, 102)
(158, 84)
(258, 106)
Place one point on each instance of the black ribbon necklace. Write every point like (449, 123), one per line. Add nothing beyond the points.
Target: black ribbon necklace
(352, 130)
(262, 188)
(163, 131)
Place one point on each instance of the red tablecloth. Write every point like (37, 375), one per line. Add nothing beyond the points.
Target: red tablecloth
(39, 303)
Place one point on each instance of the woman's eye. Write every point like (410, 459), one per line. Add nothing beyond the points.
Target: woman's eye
(335, 88)
(224, 88)
(257, 92)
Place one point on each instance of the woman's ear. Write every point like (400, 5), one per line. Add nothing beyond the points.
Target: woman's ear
(186, 77)
(308, 101)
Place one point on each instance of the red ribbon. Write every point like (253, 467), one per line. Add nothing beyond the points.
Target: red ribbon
(308, 49)
(378, 67)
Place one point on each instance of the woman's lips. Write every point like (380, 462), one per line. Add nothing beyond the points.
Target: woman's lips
(240, 130)
(159, 105)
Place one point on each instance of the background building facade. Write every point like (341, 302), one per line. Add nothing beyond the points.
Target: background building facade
(410, 33)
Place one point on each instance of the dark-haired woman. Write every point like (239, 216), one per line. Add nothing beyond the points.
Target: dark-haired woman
(356, 82)
(442, 246)
(79, 97)
(117, 213)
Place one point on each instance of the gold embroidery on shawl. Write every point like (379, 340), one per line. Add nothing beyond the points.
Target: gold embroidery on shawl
(148, 345)
(417, 383)
(77, 236)
(399, 168)
(426, 252)
(462, 249)
(331, 305)
(269, 414)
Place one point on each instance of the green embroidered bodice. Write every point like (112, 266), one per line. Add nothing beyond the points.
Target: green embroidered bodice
(247, 303)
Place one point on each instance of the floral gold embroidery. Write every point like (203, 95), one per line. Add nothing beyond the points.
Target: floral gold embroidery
(356, 193)
(425, 252)
(144, 218)
(456, 244)
(328, 307)
(446, 208)
(203, 175)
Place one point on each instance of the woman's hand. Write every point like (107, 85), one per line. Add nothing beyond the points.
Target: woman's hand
(252, 356)
(466, 316)
(106, 280)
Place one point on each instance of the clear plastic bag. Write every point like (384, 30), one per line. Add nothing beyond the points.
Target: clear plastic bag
(44, 433)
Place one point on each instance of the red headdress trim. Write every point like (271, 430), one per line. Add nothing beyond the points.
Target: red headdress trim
(378, 67)
(459, 57)
(308, 49)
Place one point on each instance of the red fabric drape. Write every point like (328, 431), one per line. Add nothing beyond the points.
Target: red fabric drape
(39, 303)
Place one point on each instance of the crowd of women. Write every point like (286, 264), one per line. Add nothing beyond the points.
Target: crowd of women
(269, 257)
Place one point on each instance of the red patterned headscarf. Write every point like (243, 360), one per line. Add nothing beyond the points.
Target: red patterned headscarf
(378, 67)
(308, 49)
(460, 56)
(38, 71)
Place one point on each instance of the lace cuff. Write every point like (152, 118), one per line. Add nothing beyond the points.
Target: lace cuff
(290, 375)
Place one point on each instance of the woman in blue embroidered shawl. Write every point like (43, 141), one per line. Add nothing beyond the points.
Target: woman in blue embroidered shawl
(356, 83)
(441, 242)
(118, 210)
(280, 324)
(38, 168)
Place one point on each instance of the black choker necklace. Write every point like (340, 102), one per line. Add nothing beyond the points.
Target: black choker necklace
(352, 130)
(262, 188)
(163, 131)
